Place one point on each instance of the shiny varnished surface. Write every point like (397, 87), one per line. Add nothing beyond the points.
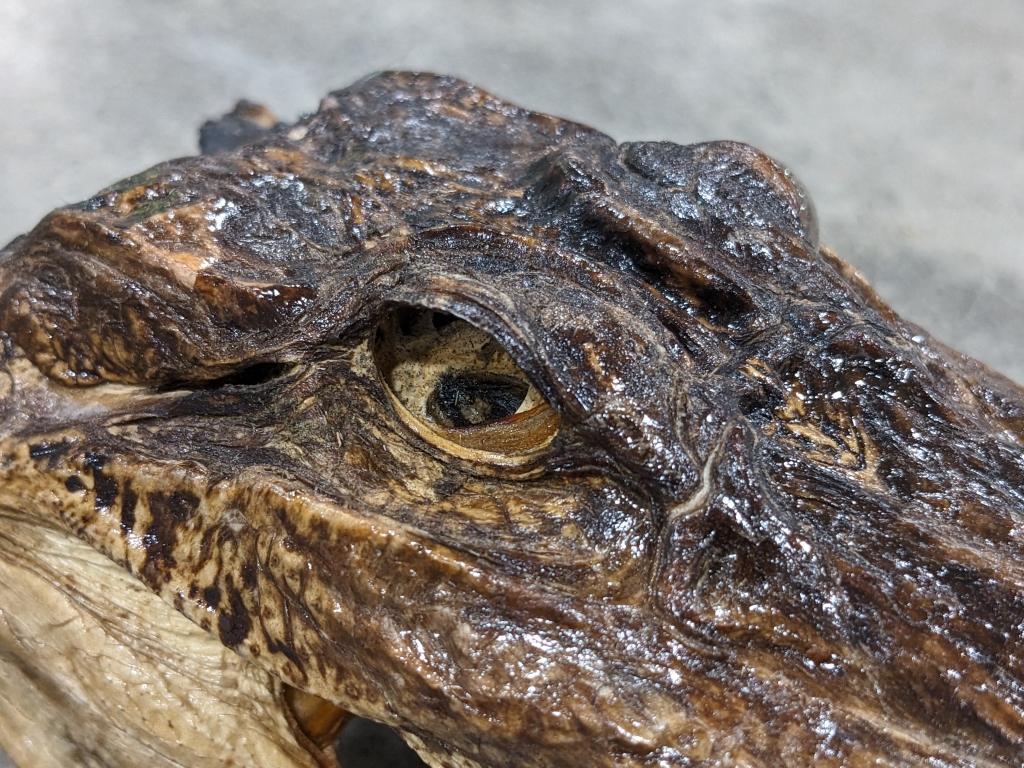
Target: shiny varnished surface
(776, 525)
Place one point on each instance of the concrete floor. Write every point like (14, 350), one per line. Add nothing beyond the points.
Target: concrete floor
(905, 120)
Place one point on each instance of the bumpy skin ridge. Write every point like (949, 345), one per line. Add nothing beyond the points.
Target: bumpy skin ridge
(778, 526)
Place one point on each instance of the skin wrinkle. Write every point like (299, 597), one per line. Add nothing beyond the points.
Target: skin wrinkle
(775, 525)
(700, 496)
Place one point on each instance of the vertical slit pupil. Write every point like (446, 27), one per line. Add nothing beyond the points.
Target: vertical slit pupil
(469, 399)
(363, 743)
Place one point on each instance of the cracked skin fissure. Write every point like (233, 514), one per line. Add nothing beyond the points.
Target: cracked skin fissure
(745, 515)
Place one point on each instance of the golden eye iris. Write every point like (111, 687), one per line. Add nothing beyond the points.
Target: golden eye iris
(459, 389)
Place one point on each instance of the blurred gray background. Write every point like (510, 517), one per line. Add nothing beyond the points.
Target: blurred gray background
(905, 120)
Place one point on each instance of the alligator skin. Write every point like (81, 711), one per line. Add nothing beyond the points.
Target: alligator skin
(771, 523)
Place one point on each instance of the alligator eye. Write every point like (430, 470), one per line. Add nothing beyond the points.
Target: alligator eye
(459, 389)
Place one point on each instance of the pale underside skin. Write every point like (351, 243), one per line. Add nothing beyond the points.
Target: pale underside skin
(125, 681)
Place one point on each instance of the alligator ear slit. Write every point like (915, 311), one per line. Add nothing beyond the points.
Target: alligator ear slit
(252, 375)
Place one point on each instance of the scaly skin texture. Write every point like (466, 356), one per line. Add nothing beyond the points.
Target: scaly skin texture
(778, 525)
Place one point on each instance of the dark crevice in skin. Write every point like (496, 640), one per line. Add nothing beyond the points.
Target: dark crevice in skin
(365, 744)
(252, 375)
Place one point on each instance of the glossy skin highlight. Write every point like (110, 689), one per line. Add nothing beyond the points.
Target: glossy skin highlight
(778, 525)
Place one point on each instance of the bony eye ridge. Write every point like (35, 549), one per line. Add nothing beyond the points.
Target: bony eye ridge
(459, 389)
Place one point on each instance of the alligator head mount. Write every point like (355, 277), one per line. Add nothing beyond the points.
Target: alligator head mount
(540, 449)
